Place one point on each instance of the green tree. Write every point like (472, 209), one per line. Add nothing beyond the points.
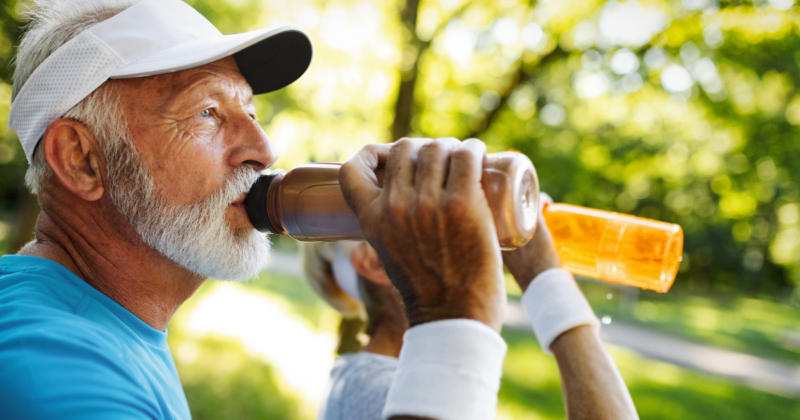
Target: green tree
(681, 111)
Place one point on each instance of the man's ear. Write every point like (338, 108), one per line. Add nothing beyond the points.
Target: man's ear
(75, 158)
(368, 265)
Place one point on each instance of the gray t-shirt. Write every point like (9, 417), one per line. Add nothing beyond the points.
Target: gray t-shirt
(358, 387)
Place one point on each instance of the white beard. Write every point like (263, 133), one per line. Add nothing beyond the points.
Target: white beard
(196, 236)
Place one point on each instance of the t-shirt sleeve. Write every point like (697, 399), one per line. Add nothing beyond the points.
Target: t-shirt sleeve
(359, 392)
(61, 373)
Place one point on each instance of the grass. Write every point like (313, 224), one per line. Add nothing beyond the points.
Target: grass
(753, 326)
(531, 389)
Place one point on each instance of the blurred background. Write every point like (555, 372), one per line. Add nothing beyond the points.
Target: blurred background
(685, 111)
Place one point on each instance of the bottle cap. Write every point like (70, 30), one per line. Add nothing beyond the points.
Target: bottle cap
(256, 203)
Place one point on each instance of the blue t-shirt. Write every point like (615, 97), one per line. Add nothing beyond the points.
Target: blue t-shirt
(68, 351)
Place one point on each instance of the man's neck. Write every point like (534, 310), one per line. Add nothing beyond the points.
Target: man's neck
(387, 340)
(130, 272)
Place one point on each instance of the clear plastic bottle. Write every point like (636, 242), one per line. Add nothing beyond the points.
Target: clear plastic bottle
(307, 204)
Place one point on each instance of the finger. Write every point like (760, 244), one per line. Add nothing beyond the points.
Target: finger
(401, 162)
(357, 176)
(432, 164)
(544, 199)
(430, 176)
(466, 167)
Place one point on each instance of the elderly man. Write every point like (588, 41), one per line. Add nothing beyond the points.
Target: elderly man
(138, 123)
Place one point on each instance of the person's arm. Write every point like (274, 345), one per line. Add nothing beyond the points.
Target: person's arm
(591, 383)
(430, 223)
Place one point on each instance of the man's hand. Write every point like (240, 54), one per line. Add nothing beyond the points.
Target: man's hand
(533, 258)
(431, 225)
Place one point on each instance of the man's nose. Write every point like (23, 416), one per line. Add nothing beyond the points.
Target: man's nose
(252, 147)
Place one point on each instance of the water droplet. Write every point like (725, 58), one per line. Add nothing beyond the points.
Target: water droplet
(606, 320)
(609, 296)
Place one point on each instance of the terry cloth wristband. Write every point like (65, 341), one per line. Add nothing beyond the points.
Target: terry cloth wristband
(556, 305)
(448, 370)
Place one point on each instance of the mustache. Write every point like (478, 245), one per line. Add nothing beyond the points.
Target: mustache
(238, 184)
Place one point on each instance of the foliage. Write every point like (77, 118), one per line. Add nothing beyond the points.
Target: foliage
(222, 379)
(685, 112)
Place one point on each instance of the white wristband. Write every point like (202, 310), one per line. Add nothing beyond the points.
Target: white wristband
(448, 370)
(555, 304)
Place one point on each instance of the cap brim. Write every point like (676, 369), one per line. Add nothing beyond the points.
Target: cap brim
(269, 59)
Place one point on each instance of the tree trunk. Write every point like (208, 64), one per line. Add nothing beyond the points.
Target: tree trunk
(404, 107)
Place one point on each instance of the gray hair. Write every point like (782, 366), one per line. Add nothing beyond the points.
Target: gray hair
(52, 23)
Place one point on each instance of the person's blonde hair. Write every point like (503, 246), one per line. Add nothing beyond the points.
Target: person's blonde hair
(318, 271)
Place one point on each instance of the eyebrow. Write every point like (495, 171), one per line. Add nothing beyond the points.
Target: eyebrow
(199, 82)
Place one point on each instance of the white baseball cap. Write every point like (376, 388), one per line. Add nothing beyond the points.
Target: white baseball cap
(151, 37)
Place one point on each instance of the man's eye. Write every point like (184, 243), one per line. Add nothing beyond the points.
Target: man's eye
(205, 113)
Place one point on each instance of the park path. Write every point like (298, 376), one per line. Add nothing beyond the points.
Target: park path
(756, 372)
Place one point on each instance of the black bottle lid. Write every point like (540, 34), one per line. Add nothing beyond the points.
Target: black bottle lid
(256, 203)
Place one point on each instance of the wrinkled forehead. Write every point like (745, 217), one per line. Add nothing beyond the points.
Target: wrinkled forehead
(221, 80)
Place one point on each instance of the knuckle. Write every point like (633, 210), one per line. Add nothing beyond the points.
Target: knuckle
(455, 205)
(464, 154)
(448, 141)
(346, 168)
(434, 148)
(401, 144)
(346, 175)
(425, 206)
(396, 208)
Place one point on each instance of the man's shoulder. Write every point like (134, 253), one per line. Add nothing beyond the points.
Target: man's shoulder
(37, 338)
(364, 372)
(366, 360)
(46, 349)
(32, 328)
(41, 310)
(55, 363)
(38, 282)
(358, 387)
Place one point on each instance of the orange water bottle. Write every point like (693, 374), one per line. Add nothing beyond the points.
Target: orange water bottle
(615, 247)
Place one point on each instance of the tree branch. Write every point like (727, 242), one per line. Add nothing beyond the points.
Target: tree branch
(520, 77)
(404, 106)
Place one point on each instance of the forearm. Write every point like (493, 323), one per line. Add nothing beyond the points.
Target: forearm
(566, 326)
(592, 385)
